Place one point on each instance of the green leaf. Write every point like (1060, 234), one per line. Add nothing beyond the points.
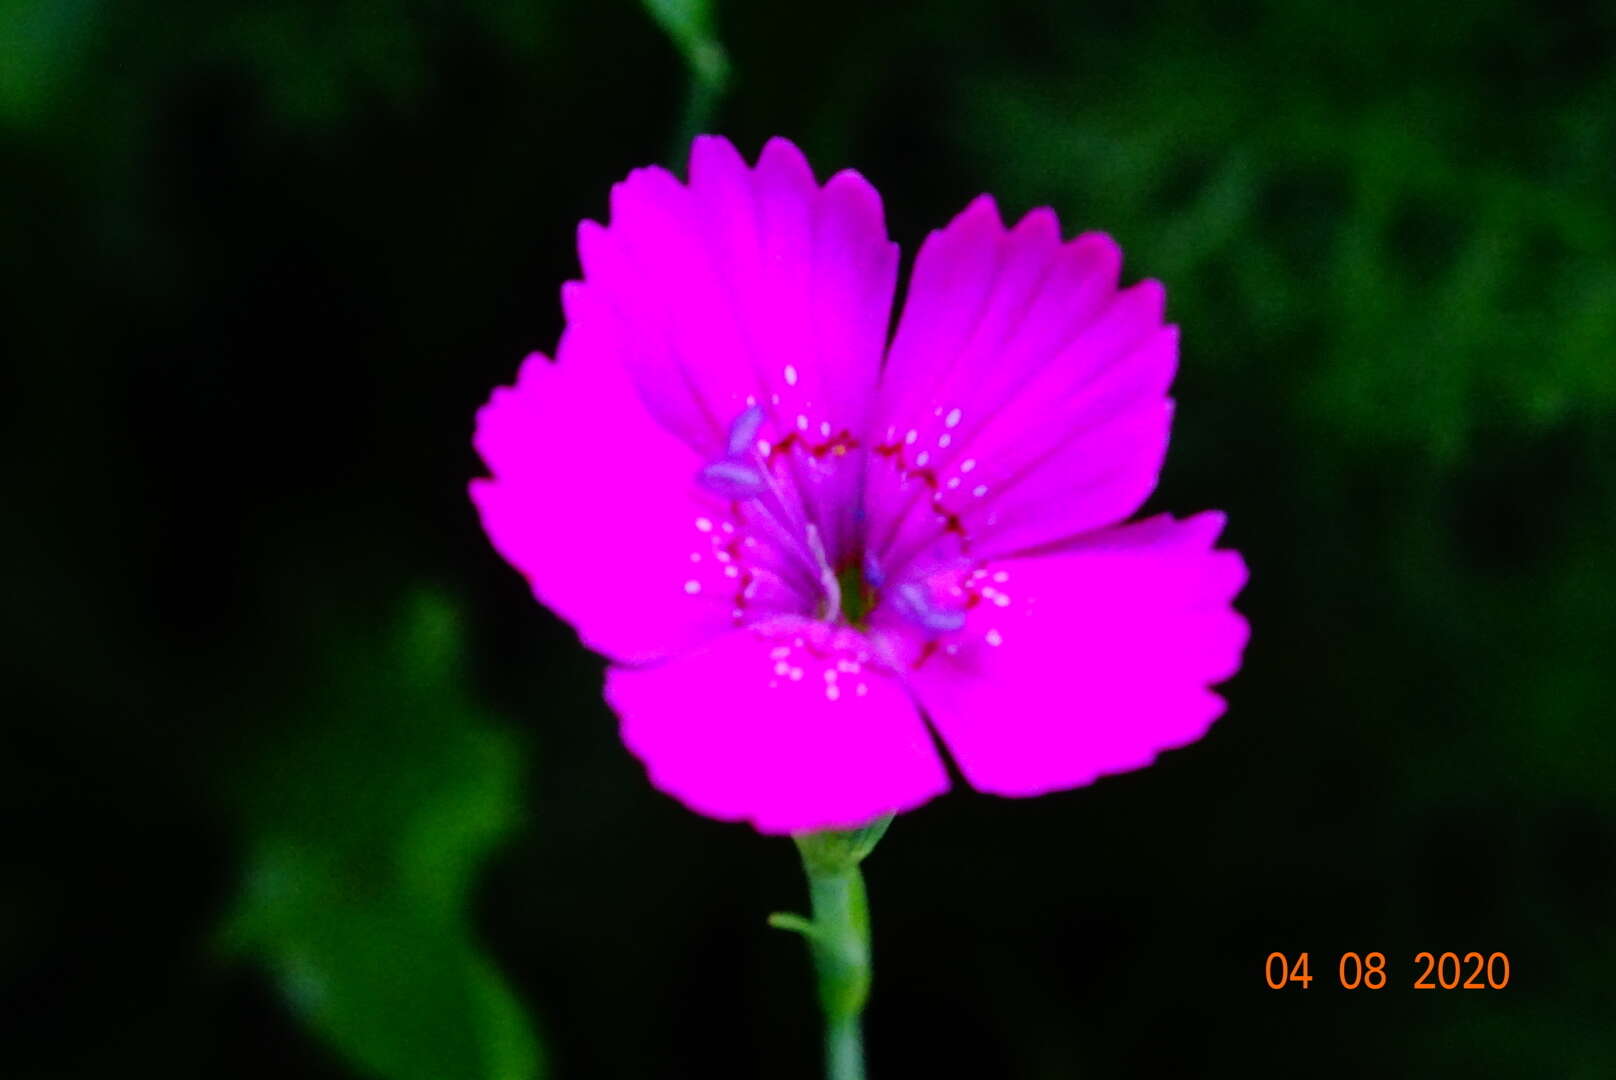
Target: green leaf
(366, 828)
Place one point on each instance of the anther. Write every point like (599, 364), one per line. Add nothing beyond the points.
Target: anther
(731, 479)
(915, 604)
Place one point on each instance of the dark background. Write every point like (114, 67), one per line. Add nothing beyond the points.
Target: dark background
(298, 781)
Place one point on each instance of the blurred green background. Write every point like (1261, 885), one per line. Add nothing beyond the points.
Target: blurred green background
(298, 780)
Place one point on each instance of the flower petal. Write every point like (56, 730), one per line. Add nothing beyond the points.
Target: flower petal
(1088, 661)
(598, 506)
(1025, 397)
(753, 287)
(750, 297)
(789, 724)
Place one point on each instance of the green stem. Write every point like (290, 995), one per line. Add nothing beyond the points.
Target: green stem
(691, 25)
(844, 1050)
(841, 951)
(838, 938)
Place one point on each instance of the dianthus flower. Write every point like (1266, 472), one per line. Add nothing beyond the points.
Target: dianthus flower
(799, 543)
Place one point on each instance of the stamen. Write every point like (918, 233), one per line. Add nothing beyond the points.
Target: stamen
(915, 603)
(731, 479)
(872, 571)
(743, 432)
(768, 501)
(827, 575)
(735, 476)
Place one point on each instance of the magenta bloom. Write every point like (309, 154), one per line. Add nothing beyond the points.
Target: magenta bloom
(799, 544)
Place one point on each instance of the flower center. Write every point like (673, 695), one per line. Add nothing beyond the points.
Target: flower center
(798, 501)
(858, 596)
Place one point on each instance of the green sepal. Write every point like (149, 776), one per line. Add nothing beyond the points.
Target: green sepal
(835, 851)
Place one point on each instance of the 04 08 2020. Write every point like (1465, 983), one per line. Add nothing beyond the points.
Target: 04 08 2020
(1367, 971)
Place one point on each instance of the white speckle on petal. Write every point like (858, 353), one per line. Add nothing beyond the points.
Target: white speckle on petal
(791, 375)
(910, 437)
(824, 428)
(704, 525)
(796, 674)
(953, 482)
(979, 490)
(692, 587)
(994, 638)
(764, 446)
(952, 419)
(1001, 577)
(802, 422)
(861, 689)
(968, 464)
(833, 692)
(921, 459)
(781, 667)
(730, 571)
(943, 441)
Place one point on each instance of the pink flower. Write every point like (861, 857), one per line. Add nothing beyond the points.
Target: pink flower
(795, 540)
